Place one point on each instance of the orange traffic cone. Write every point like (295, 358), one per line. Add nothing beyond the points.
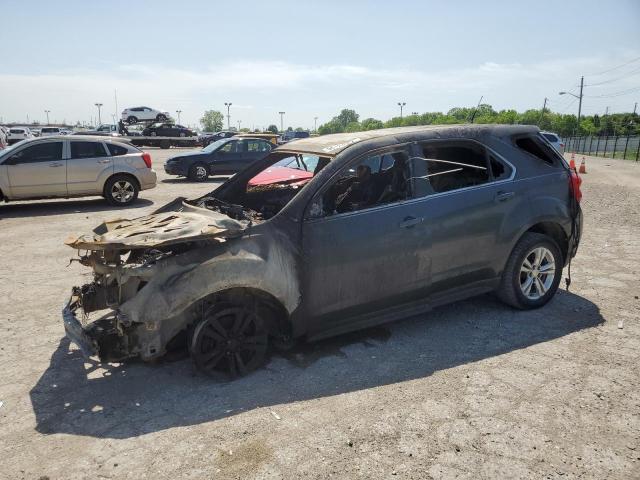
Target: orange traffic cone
(572, 162)
(583, 166)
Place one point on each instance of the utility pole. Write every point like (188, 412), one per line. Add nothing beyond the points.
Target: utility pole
(281, 121)
(544, 106)
(99, 105)
(239, 122)
(579, 97)
(178, 112)
(401, 105)
(228, 105)
(315, 123)
(635, 106)
(47, 112)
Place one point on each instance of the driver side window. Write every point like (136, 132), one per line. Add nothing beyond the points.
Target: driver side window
(373, 181)
(42, 152)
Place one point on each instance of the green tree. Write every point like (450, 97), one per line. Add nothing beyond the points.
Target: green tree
(272, 128)
(347, 116)
(212, 121)
(353, 127)
(371, 124)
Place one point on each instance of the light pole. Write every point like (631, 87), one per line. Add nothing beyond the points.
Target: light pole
(315, 124)
(99, 105)
(281, 121)
(239, 123)
(47, 112)
(579, 97)
(228, 105)
(178, 112)
(401, 105)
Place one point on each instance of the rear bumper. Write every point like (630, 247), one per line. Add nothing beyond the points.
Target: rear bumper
(148, 178)
(574, 242)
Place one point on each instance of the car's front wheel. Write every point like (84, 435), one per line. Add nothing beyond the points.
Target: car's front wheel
(533, 272)
(121, 190)
(160, 117)
(198, 172)
(132, 119)
(229, 341)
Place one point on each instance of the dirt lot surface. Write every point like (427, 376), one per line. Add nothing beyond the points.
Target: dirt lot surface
(472, 390)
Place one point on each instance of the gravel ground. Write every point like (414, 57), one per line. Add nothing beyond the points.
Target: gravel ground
(472, 390)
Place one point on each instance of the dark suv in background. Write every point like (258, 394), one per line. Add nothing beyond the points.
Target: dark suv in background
(376, 226)
(222, 157)
(167, 130)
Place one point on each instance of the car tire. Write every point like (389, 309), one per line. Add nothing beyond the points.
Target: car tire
(121, 190)
(160, 117)
(153, 134)
(533, 272)
(229, 341)
(132, 120)
(198, 172)
(182, 134)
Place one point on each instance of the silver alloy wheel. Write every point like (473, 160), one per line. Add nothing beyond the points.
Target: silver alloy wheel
(537, 272)
(122, 191)
(201, 172)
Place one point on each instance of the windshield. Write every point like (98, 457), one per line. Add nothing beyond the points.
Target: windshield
(215, 145)
(299, 162)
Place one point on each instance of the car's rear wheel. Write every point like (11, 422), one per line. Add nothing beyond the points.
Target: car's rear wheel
(132, 119)
(533, 272)
(198, 172)
(121, 190)
(182, 134)
(161, 117)
(229, 341)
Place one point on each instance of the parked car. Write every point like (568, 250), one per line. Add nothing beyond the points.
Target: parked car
(207, 138)
(167, 130)
(17, 134)
(75, 167)
(49, 131)
(554, 140)
(290, 135)
(223, 157)
(35, 131)
(104, 130)
(140, 114)
(4, 133)
(392, 223)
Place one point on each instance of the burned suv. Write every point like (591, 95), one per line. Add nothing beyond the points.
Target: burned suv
(327, 235)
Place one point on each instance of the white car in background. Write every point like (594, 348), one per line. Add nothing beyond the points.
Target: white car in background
(17, 134)
(141, 114)
(48, 131)
(554, 140)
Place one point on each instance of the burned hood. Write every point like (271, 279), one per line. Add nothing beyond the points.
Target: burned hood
(163, 227)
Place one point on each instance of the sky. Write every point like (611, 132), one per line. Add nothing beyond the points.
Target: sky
(312, 59)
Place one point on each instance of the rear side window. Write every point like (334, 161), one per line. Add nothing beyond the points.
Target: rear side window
(87, 150)
(117, 150)
(537, 148)
(453, 166)
(551, 137)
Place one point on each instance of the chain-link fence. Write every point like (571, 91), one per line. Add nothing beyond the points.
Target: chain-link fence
(606, 146)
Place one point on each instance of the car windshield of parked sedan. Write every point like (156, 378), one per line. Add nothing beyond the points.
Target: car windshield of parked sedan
(215, 145)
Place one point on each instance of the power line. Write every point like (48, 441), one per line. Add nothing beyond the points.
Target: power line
(628, 74)
(616, 94)
(614, 68)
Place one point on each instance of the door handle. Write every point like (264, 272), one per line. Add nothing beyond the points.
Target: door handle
(409, 222)
(504, 196)
(55, 164)
(106, 160)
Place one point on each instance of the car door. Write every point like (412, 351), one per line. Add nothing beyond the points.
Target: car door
(252, 150)
(367, 259)
(38, 170)
(88, 165)
(465, 192)
(224, 160)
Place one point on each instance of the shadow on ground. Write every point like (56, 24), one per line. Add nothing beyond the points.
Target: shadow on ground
(121, 401)
(63, 207)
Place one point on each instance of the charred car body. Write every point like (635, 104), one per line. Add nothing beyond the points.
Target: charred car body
(377, 226)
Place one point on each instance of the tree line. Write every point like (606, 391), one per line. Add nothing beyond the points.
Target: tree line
(563, 124)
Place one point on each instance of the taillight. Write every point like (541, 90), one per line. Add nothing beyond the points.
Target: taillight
(576, 181)
(147, 159)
